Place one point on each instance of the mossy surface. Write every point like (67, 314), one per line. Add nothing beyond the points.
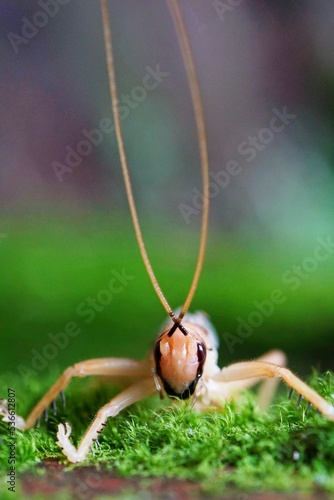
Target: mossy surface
(50, 269)
(284, 449)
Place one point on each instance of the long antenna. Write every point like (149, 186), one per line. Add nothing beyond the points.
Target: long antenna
(124, 163)
(202, 143)
(199, 117)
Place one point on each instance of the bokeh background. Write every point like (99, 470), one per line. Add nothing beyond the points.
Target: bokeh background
(62, 241)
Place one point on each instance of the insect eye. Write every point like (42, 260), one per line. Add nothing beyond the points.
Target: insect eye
(157, 355)
(201, 352)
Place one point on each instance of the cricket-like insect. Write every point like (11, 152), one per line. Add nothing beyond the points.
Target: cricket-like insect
(183, 364)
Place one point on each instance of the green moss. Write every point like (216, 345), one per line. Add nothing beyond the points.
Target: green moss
(285, 449)
(49, 269)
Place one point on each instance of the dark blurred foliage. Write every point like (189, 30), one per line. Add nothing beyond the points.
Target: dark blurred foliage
(252, 57)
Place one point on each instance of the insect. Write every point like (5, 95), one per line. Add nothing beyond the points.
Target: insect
(183, 363)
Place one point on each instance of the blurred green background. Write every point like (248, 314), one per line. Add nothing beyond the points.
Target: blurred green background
(52, 268)
(60, 242)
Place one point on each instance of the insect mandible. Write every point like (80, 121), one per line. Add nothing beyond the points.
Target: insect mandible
(183, 363)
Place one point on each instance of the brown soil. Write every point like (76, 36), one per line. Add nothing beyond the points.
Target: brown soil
(89, 483)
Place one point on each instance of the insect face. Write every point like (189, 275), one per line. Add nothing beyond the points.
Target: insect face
(179, 357)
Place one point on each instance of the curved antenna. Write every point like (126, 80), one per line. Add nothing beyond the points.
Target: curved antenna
(124, 163)
(199, 117)
(202, 143)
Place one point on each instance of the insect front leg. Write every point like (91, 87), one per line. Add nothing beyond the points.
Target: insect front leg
(263, 369)
(134, 393)
(268, 386)
(112, 367)
(217, 391)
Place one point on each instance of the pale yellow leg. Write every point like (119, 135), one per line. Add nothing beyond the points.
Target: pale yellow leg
(126, 398)
(217, 391)
(112, 367)
(268, 386)
(263, 369)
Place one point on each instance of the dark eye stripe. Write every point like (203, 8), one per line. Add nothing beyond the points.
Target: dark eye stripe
(157, 357)
(201, 356)
(201, 353)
